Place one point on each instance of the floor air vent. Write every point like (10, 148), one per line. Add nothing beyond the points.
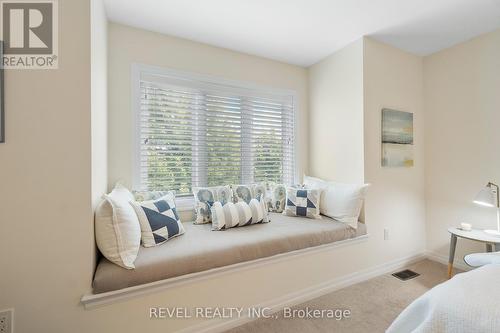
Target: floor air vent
(405, 275)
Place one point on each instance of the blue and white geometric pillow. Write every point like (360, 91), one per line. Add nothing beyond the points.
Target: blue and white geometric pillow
(302, 202)
(158, 219)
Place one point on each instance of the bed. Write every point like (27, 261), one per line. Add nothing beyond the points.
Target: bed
(469, 302)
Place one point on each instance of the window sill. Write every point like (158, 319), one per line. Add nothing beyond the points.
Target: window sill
(91, 300)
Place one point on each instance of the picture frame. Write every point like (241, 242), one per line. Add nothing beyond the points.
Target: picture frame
(397, 138)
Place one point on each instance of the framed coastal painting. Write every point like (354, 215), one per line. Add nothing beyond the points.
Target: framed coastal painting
(397, 138)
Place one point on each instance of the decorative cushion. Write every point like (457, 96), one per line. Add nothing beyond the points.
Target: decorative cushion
(242, 193)
(117, 229)
(302, 202)
(239, 214)
(342, 202)
(205, 198)
(262, 193)
(259, 190)
(259, 210)
(277, 200)
(224, 194)
(269, 185)
(227, 216)
(149, 195)
(159, 220)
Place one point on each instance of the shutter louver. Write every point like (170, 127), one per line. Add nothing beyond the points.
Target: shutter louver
(199, 134)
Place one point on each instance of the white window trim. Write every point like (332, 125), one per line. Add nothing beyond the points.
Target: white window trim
(137, 69)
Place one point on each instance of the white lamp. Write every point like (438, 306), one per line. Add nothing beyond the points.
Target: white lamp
(489, 197)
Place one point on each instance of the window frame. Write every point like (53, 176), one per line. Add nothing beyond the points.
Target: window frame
(137, 69)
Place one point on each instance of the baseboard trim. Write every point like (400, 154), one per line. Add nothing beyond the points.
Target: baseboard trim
(304, 295)
(443, 259)
(277, 304)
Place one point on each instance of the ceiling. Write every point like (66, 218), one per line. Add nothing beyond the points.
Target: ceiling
(302, 32)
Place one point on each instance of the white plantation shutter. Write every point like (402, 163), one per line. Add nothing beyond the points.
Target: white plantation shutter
(196, 133)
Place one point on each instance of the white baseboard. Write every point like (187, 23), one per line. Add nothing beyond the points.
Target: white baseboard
(443, 259)
(304, 295)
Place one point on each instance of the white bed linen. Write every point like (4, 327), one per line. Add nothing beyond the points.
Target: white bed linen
(469, 302)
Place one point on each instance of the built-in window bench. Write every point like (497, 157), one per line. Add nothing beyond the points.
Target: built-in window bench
(201, 252)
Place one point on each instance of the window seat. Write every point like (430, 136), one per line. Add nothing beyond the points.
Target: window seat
(201, 249)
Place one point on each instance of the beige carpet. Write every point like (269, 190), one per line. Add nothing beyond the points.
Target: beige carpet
(374, 304)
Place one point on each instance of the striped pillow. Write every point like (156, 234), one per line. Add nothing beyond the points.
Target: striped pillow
(239, 214)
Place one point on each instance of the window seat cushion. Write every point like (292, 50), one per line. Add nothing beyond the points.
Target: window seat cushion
(201, 249)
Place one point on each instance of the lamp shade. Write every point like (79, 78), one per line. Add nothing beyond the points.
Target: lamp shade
(486, 197)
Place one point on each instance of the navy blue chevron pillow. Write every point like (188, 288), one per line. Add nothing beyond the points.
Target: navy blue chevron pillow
(159, 220)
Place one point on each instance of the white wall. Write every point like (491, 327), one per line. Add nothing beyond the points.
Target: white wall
(47, 243)
(124, 48)
(462, 105)
(393, 79)
(99, 99)
(347, 93)
(128, 45)
(49, 162)
(336, 116)
(47, 198)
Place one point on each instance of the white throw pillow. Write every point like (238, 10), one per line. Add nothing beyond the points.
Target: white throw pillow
(342, 202)
(117, 229)
(313, 182)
